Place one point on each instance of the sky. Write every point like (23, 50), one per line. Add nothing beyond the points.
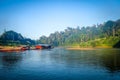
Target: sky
(34, 18)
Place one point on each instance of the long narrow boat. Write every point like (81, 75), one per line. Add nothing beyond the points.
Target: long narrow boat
(17, 49)
(9, 50)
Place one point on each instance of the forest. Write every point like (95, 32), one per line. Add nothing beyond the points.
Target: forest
(106, 34)
(100, 35)
(12, 38)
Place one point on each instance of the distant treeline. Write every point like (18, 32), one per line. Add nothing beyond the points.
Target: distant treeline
(109, 30)
(11, 38)
(106, 34)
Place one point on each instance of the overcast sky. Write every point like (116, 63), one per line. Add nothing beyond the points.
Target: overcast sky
(34, 18)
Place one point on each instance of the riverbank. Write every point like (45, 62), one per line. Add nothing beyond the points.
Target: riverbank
(22, 48)
(88, 48)
(10, 48)
(81, 48)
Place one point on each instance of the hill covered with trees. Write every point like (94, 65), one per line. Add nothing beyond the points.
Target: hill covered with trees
(100, 35)
(11, 38)
(104, 35)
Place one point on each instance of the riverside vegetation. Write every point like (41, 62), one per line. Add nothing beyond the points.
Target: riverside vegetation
(106, 35)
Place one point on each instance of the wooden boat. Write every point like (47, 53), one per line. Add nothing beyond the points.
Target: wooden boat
(14, 49)
(10, 50)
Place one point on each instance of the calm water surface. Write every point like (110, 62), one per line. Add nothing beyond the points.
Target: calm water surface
(61, 64)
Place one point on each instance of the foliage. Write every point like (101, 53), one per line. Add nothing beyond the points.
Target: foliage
(106, 34)
(96, 35)
(12, 38)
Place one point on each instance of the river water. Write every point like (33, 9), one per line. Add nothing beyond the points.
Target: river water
(61, 64)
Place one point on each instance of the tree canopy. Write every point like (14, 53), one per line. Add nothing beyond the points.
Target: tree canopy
(83, 34)
(14, 38)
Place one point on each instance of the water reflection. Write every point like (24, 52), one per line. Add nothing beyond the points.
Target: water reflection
(106, 58)
(62, 64)
(111, 60)
(10, 60)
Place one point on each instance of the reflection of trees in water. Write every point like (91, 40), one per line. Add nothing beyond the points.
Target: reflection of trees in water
(75, 58)
(111, 60)
(11, 60)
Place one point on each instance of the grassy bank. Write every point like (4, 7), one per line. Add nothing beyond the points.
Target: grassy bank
(108, 42)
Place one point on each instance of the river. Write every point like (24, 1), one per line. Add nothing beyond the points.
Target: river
(61, 64)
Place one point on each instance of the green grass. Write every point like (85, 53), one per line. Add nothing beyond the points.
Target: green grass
(101, 42)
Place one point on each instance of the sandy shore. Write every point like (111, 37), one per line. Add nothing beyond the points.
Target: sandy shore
(89, 48)
(81, 48)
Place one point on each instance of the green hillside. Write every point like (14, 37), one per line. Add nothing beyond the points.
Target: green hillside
(101, 42)
(11, 38)
(106, 34)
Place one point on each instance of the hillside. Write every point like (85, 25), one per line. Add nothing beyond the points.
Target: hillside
(14, 38)
(102, 43)
(106, 34)
(101, 35)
